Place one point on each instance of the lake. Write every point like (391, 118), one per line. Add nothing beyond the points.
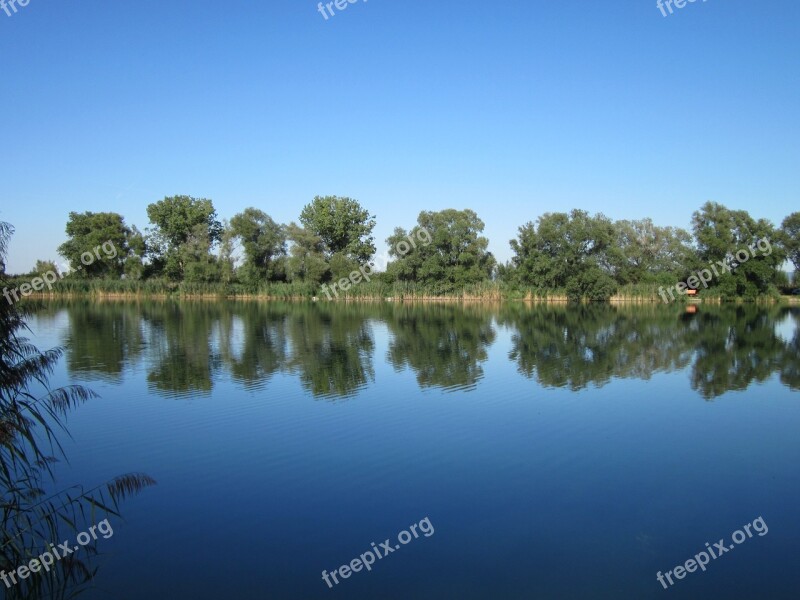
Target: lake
(556, 452)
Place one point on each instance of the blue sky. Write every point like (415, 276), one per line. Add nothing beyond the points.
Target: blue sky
(512, 108)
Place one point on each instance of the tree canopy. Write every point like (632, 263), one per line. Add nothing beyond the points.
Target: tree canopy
(88, 231)
(790, 239)
(721, 234)
(343, 225)
(264, 244)
(572, 254)
(455, 255)
(184, 230)
(566, 251)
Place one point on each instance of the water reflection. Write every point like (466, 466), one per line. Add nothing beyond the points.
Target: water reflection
(739, 345)
(573, 347)
(444, 345)
(790, 365)
(103, 338)
(181, 359)
(725, 348)
(253, 342)
(331, 349)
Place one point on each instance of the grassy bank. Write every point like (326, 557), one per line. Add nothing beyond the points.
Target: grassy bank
(366, 291)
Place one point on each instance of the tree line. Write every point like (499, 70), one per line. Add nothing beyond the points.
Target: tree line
(581, 255)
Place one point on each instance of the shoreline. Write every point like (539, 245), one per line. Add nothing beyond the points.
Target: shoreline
(557, 299)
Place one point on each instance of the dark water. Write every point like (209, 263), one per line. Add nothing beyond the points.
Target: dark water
(557, 453)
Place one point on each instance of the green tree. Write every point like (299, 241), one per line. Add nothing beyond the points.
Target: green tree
(137, 246)
(227, 262)
(721, 234)
(564, 251)
(98, 243)
(184, 230)
(644, 252)
(45, 266)
(264, 244)
(789, 237)
(199, 265)
(448, 251)
(307, 256)
(343, 225)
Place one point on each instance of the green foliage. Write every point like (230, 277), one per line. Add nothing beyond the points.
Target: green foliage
(45, 266)
(721, 234)
(643, 252)
(307, 262)
(264, 244)
(98, 243)
(447, 251)
(134, 262)
(341, 265)
(567, 251)
(343, 226)
(590, 284)
(227, 262)
(184, 230)
(572, 255)
(789, 237)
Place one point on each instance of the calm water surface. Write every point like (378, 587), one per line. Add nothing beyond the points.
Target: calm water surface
(558, 453)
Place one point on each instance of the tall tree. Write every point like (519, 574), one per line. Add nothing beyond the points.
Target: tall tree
(137, 246)
(721, 234)
(184, 230)
(445, 249)
(226, 259)
(645, 252)
(98, 243)
(264, 244)
(45, 266)
(343, 225)
(789, 237)
(307, 256)
(567, 252)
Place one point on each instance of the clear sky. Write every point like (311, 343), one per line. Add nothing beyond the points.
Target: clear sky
(512, 108)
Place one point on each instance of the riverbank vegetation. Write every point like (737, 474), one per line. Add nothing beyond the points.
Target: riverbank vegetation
(187, 251)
